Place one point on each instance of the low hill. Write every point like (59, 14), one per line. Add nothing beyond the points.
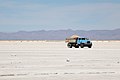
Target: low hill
(61, 34)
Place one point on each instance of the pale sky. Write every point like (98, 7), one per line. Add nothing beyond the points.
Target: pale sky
(31, 15)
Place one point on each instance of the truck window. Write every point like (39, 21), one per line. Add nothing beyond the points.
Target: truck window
(83, 38)
(80, 39)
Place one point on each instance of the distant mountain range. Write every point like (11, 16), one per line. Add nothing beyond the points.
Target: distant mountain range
(61, 34)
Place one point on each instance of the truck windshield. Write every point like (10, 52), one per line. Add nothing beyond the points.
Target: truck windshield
(86, 38)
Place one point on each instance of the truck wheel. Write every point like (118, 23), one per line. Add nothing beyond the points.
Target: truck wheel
(69, 45)
(82, 45)
(89, 46)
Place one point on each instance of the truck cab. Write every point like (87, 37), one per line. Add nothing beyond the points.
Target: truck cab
(79, 42)
(84, 42)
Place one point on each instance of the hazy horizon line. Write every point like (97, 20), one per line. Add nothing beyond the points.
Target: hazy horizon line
(54, 30)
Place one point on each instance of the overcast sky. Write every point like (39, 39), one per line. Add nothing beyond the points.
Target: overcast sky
(30, 15)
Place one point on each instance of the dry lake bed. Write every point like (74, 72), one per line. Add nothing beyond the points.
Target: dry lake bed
(52, 60)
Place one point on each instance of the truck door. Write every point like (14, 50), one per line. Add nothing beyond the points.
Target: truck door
(78, 40)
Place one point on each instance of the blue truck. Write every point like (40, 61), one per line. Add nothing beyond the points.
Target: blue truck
(79, 42)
